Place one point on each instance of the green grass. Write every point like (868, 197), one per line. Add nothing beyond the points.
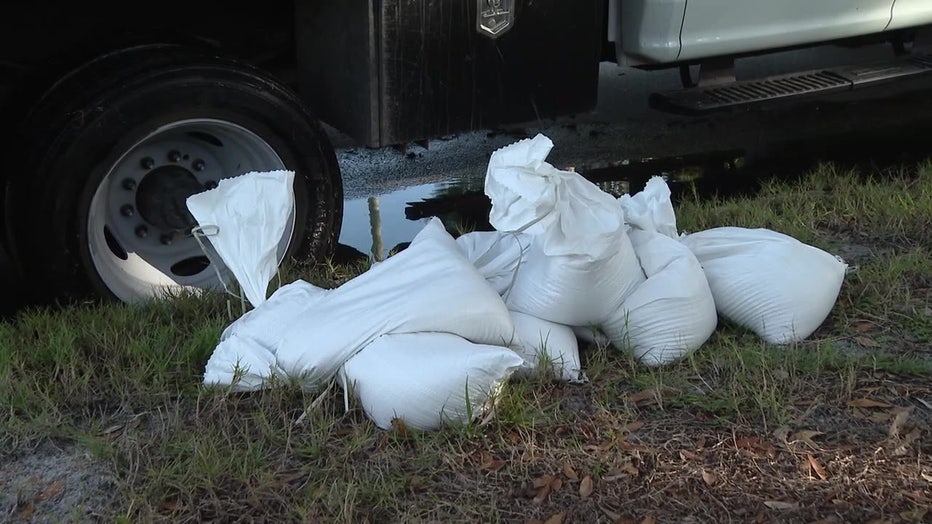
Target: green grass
(124, 383)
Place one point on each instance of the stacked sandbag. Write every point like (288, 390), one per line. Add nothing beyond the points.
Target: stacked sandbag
(426, 380)
(245, 357)
(672, 313)
(768, 282)
(546, 347)
(496, 255)
(580, 265)
(428, 287)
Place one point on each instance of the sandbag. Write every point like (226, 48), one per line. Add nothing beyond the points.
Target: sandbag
(426, 379)
(547, 345)
(651, 208)
(672, 313)
(430, 286)
(245, 357)
(496, 255)
(768, 282)
(251, 214)
(580, 265)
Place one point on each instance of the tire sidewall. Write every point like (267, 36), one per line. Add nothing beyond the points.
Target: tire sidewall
(91, 140)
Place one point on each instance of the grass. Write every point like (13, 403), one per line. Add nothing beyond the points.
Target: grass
(740, 430)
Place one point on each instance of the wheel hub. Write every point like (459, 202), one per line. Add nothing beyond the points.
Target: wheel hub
(161, 198)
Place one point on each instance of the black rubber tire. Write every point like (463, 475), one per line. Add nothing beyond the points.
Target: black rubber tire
(94, 113)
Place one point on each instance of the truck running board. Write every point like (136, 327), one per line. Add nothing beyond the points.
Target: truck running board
(775, 88)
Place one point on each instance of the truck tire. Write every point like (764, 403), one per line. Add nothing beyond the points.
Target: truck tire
(95, 203)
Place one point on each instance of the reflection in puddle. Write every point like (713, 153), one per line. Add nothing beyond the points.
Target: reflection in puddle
(374, 226)
(388, 221)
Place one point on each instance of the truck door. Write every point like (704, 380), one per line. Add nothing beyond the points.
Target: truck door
(725, 27)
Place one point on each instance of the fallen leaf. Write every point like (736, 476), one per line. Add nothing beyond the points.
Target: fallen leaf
(866, 342)
(649, 520)
(569, 472)
(910, 437)
(627, 446)
(556, 519)
(806, 436)
(751, 443)
(864, 326)
(700, 443)
(708, 477)
(542, 495)
(879, 521)
(52, 490)
(902, 415)
(685, 454)
(172, 505)
(867, 403)
(916, 515)
(585, 487)
(817, 467)
(533, 521)
(631, 427)
(25, 512)
(542, 481)
(643, 397)
(556, 484)
(612, 516)
(490, 463)
(781, 505)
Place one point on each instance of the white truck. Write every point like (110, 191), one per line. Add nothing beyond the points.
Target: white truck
(114, 114)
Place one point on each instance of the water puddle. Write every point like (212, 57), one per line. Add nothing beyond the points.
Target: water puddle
(375, 225)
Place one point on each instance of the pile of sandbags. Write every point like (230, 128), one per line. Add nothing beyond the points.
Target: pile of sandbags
(430, 335)
(621, 272)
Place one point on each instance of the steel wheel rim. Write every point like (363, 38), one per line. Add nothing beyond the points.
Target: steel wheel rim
(133, 234)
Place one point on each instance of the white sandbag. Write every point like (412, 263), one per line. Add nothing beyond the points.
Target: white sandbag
(242, 366)
(245, 357)
(496, 255)
(568, 214)
(544, 344)
(580, 265)
(651, 209)
(771, 283)
(251, 215)
(574, 290)
(426, 379)
(672, 313)
(430, 286)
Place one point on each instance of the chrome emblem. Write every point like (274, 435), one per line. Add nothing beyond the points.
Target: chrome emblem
(495, 17)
